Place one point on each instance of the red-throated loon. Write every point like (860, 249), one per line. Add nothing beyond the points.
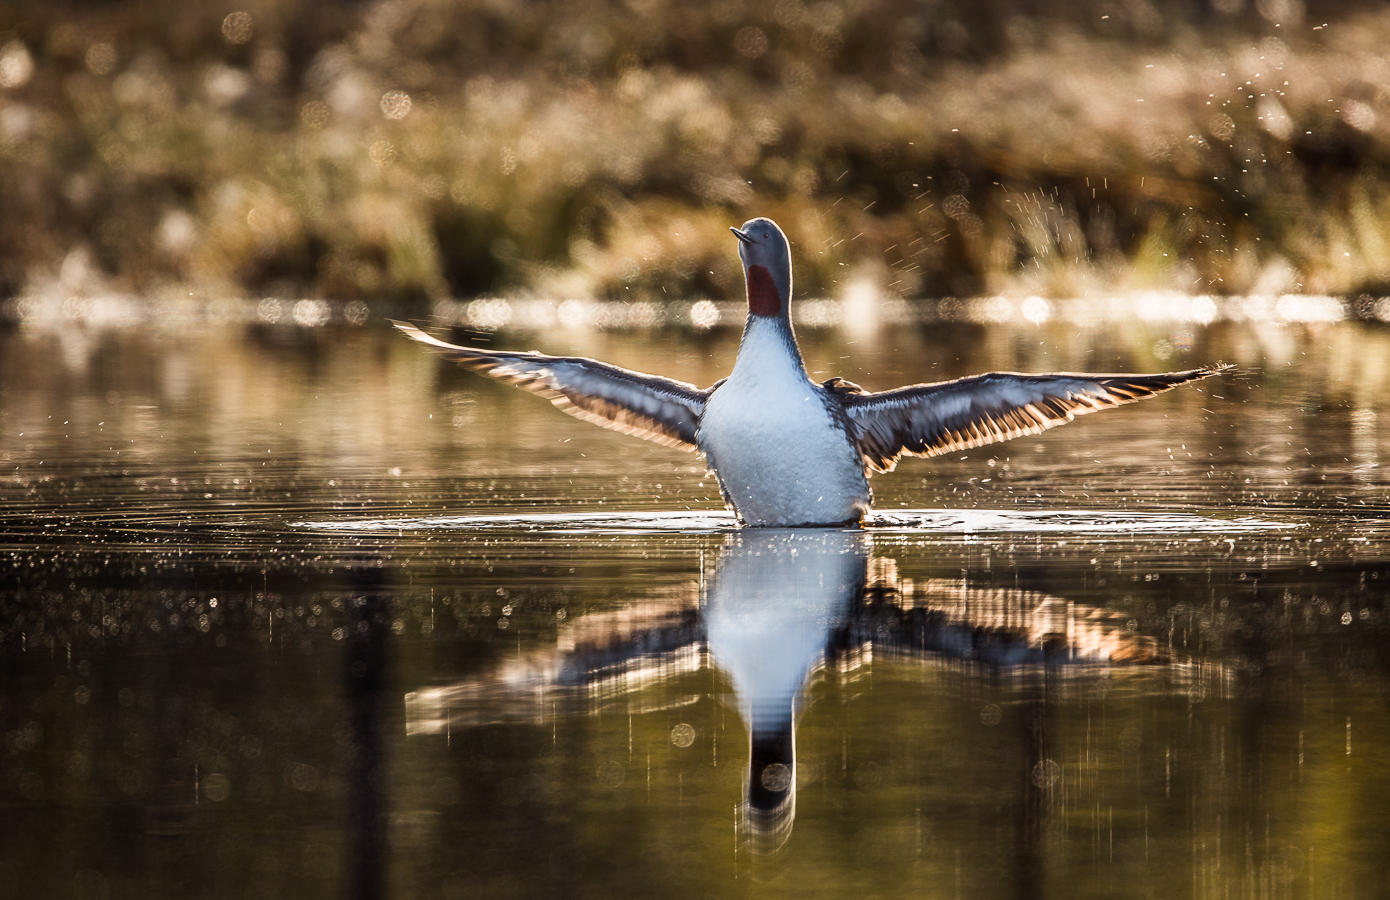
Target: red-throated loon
(789, 451)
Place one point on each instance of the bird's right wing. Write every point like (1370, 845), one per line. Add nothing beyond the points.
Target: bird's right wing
(931, 419)
(646, 406)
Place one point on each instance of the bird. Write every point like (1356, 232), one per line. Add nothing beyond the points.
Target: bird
(784, 449)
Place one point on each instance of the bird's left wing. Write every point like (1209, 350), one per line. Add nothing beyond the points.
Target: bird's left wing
(646, 406)
(932, 419)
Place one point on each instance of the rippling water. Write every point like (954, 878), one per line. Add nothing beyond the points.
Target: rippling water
(306, 613)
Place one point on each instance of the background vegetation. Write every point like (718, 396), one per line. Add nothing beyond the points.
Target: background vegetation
(427, 149)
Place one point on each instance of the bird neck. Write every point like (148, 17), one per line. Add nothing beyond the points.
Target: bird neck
(768, 347)
(768, 295)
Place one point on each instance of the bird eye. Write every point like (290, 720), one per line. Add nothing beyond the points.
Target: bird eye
(766, 235)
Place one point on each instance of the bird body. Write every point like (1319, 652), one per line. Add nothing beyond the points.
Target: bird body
(785, 450)
(772, 436)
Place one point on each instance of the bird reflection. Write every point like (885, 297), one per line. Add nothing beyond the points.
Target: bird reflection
(781, 604)
(775, 601)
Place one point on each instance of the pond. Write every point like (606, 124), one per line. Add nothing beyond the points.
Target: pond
(305, 612)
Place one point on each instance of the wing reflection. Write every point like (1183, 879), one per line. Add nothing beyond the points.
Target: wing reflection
(781, 604)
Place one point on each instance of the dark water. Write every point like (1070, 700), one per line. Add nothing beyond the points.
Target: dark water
(302, 613)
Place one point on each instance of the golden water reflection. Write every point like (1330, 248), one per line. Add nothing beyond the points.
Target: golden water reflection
(227, 557)
(780, 605)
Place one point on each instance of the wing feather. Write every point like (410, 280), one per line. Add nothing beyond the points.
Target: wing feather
(646, 406)
(932, 419)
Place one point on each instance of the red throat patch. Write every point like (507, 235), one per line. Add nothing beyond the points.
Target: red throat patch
(763, 299)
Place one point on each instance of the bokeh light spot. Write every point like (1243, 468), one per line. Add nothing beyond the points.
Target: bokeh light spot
(1046, 773)
(100, 59)
(683, 735)
(314, 114)
(750, 42)
(395, 104)
(777, 777)
(238, 27)
(217, 787)
(16, 65)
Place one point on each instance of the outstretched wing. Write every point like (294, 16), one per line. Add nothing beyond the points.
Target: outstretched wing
(647, 406)
(931, 419)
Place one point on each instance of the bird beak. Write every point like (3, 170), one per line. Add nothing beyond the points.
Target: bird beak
(741, 236)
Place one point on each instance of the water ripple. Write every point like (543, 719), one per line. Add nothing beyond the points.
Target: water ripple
(927, 521)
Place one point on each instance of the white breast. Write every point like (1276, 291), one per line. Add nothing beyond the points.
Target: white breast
(777, 452)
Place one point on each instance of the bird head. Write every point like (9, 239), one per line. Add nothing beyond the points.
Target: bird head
(767, 266)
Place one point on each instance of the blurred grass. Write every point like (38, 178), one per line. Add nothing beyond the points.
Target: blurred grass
(423, 149)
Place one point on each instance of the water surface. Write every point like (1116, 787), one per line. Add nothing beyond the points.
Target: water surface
(303, 612)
